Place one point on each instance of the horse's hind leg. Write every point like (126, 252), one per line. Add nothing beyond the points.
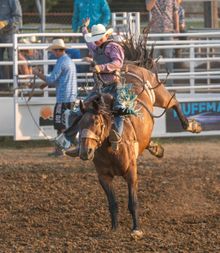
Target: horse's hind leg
(165, 99)
(189, 125)
(131, 179)
(183, 120)
(106, 183)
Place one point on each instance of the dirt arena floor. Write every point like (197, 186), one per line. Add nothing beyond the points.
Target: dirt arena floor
(57, 205)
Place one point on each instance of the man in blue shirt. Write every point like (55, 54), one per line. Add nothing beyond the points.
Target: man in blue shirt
(97, 10)
(63, 77)
(71, 52)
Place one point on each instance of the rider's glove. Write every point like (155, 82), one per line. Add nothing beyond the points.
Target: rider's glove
(3, 23)
(85, 23)
(95, 69)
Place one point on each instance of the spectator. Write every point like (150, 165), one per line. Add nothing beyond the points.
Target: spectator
(25, 68)
(182, 29)
(181, 12)
(10, 22)
(64, 77)
(25, 55)
(97, 10)
(99, 13)
(164, 19)
(71, 52)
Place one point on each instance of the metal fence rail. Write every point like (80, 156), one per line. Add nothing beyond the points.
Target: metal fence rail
(196, 68)
(197, 79)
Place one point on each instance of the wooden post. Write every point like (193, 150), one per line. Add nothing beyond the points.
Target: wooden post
(211, 14)
(207, 14)
(214, 14)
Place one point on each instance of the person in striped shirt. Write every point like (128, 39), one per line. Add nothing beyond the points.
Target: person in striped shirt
(164, 19)
(63, 77)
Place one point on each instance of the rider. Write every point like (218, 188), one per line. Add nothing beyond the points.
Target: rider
(108, 57)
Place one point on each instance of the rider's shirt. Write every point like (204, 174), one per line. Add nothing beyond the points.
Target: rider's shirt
(109, 57)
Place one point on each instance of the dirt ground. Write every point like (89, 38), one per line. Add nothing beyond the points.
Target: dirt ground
(57, 205)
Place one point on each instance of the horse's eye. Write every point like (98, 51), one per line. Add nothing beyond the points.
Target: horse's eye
(96, 122)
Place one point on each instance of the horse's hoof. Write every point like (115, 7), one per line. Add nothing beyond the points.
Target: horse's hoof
(137, 234)
(156, 149)
(194, 126)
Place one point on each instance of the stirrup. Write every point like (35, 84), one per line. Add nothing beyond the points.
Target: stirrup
(114, 139)
(194, 126)
(156, 149)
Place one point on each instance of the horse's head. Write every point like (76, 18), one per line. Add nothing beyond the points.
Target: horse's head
(94, 128)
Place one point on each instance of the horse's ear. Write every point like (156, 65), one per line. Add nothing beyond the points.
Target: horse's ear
(95, 105)
(82, 106)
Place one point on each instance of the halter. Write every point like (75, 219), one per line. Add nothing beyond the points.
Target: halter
(88, 134)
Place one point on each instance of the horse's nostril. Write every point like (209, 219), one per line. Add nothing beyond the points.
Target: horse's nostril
(87, 154)
(90, 151)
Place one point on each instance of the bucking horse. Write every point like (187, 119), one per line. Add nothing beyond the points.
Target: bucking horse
(96, 123)
(95, 130)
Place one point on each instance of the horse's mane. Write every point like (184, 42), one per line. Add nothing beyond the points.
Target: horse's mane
(136, 50)
(99, 103)
(138, 53)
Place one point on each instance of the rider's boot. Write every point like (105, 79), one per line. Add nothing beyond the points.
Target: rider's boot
(155, 149)
(116, 133)
(64, 143)
(57, 152)
(68, 137)
(71, 119)
(114, 139)
(73, 152)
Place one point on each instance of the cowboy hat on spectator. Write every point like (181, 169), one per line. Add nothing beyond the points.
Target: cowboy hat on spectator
(57, 44)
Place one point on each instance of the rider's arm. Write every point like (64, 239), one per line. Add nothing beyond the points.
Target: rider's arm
(91, 45)
(116, 54)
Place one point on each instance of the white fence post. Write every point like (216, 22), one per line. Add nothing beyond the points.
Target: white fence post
(192, 68)
(123, 21)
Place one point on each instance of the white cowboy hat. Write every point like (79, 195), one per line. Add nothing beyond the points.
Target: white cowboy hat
(57, 44)
(97, 32)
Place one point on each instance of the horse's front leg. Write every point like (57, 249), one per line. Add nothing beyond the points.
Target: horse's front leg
(106, 183)
(131, 179)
